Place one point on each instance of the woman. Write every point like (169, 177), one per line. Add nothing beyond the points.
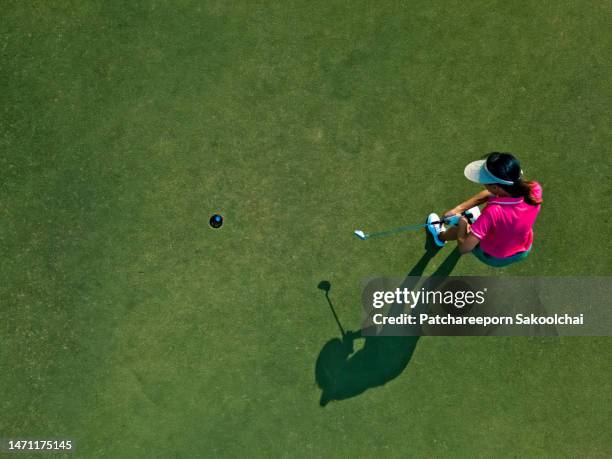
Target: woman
(503, 233)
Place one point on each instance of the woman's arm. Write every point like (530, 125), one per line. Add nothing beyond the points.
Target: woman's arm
(475, 200)
(465, 240)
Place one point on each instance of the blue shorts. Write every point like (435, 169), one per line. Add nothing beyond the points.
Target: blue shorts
(499, 262)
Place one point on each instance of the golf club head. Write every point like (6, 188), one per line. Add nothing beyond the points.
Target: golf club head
(361, 235)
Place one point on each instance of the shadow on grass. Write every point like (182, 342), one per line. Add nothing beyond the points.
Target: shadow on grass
(342, 373)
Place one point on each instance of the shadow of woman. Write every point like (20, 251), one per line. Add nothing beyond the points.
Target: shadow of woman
(341, 373)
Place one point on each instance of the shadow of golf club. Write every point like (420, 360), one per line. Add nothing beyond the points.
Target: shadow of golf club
(341, 373)
(326, 286)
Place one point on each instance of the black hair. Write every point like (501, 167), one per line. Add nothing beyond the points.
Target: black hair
(507, 167)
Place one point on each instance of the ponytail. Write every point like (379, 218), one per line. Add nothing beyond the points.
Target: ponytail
(524, 189)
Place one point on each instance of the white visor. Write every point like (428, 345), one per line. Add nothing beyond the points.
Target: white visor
(477, 172)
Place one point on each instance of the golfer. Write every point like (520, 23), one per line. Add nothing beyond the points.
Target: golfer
(503, 233)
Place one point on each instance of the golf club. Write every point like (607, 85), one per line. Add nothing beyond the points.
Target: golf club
(363, 235)
(470, 214)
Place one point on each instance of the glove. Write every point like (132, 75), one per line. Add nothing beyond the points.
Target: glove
(472, 214)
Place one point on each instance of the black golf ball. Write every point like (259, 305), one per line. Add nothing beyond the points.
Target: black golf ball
(216, 221)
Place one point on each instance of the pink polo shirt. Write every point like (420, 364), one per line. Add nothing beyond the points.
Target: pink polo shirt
(505, 225)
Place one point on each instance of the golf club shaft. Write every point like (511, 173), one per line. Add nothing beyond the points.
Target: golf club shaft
(400, 229)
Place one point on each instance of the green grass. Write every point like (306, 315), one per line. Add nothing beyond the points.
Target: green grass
(132, 327)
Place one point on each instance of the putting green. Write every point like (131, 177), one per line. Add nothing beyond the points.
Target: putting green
(133, 328)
